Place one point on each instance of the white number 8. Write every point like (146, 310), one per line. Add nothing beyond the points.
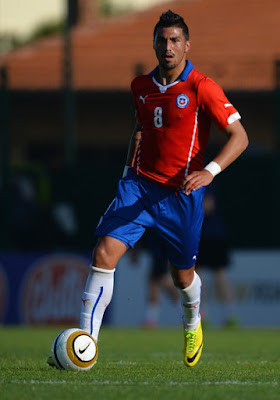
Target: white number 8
(158, 117)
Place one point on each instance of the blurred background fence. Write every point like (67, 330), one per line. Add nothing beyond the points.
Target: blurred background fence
(66, 116)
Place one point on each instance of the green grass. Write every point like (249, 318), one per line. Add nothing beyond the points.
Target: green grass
(139, 364)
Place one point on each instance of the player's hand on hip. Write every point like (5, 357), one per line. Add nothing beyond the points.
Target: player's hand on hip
(196, 180)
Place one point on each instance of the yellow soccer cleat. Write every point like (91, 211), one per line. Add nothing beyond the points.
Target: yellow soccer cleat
(193, 346)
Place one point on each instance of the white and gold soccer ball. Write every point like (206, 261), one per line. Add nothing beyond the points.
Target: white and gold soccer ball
(74, 349)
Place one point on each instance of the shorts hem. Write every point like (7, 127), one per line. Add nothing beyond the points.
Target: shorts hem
(121, 239)
(182, 266)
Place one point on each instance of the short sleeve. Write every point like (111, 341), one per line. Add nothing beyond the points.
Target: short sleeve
(213, 101)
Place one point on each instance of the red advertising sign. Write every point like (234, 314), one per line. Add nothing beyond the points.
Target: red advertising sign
(52, 290)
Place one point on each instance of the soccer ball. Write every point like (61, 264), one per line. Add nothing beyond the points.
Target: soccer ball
(74, 349)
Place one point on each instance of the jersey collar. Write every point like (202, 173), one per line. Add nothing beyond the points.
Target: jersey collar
(184, 75)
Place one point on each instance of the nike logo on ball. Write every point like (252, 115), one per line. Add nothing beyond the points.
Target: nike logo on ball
(83, 349)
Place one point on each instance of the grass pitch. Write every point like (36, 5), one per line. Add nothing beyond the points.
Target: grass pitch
(138, 364)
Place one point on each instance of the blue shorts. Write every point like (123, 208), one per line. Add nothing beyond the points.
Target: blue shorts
(141, 204)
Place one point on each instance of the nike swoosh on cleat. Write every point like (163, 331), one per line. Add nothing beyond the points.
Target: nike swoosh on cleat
(190, 360)
(81, 351)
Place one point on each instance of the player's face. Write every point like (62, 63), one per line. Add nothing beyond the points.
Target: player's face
(171, 47)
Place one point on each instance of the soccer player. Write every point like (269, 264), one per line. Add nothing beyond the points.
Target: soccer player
(164, 180)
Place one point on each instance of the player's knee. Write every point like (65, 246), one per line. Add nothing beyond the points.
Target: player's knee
(101, 257)
(181, 283)
(182, 278)
(107, 253)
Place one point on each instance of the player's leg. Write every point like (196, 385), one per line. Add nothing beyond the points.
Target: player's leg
(100, 283)
(99, 286)
(186, 215)
(118, 230)
(188, 284)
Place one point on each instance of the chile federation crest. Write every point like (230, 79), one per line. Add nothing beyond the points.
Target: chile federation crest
(182, 101)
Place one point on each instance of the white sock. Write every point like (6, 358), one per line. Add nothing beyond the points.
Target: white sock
(96, 297)
(190, 300)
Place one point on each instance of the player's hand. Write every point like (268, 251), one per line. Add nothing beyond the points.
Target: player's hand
(196, 180)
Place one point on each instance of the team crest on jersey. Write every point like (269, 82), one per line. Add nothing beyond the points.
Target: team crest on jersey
(182, 101)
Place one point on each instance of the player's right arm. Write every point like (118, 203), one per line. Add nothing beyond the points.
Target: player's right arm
(214, 103)
(132, 147)
(237, 141)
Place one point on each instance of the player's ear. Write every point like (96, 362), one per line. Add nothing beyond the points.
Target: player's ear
(187, 46)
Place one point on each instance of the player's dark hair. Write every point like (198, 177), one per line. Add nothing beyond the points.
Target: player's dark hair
(169, 19)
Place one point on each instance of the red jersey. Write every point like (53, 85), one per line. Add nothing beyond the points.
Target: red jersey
(176, 121)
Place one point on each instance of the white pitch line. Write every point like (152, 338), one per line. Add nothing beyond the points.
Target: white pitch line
(137, 363)
(137, 383)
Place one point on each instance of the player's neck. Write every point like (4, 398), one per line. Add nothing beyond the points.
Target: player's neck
(165, 77)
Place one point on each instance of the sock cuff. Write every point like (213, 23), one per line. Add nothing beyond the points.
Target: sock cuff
(105, 271)
(194, 282)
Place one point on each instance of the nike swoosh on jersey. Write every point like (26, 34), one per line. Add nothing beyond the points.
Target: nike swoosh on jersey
(228, 105)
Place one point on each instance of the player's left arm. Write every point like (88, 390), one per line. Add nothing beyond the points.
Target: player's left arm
(237, 141)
